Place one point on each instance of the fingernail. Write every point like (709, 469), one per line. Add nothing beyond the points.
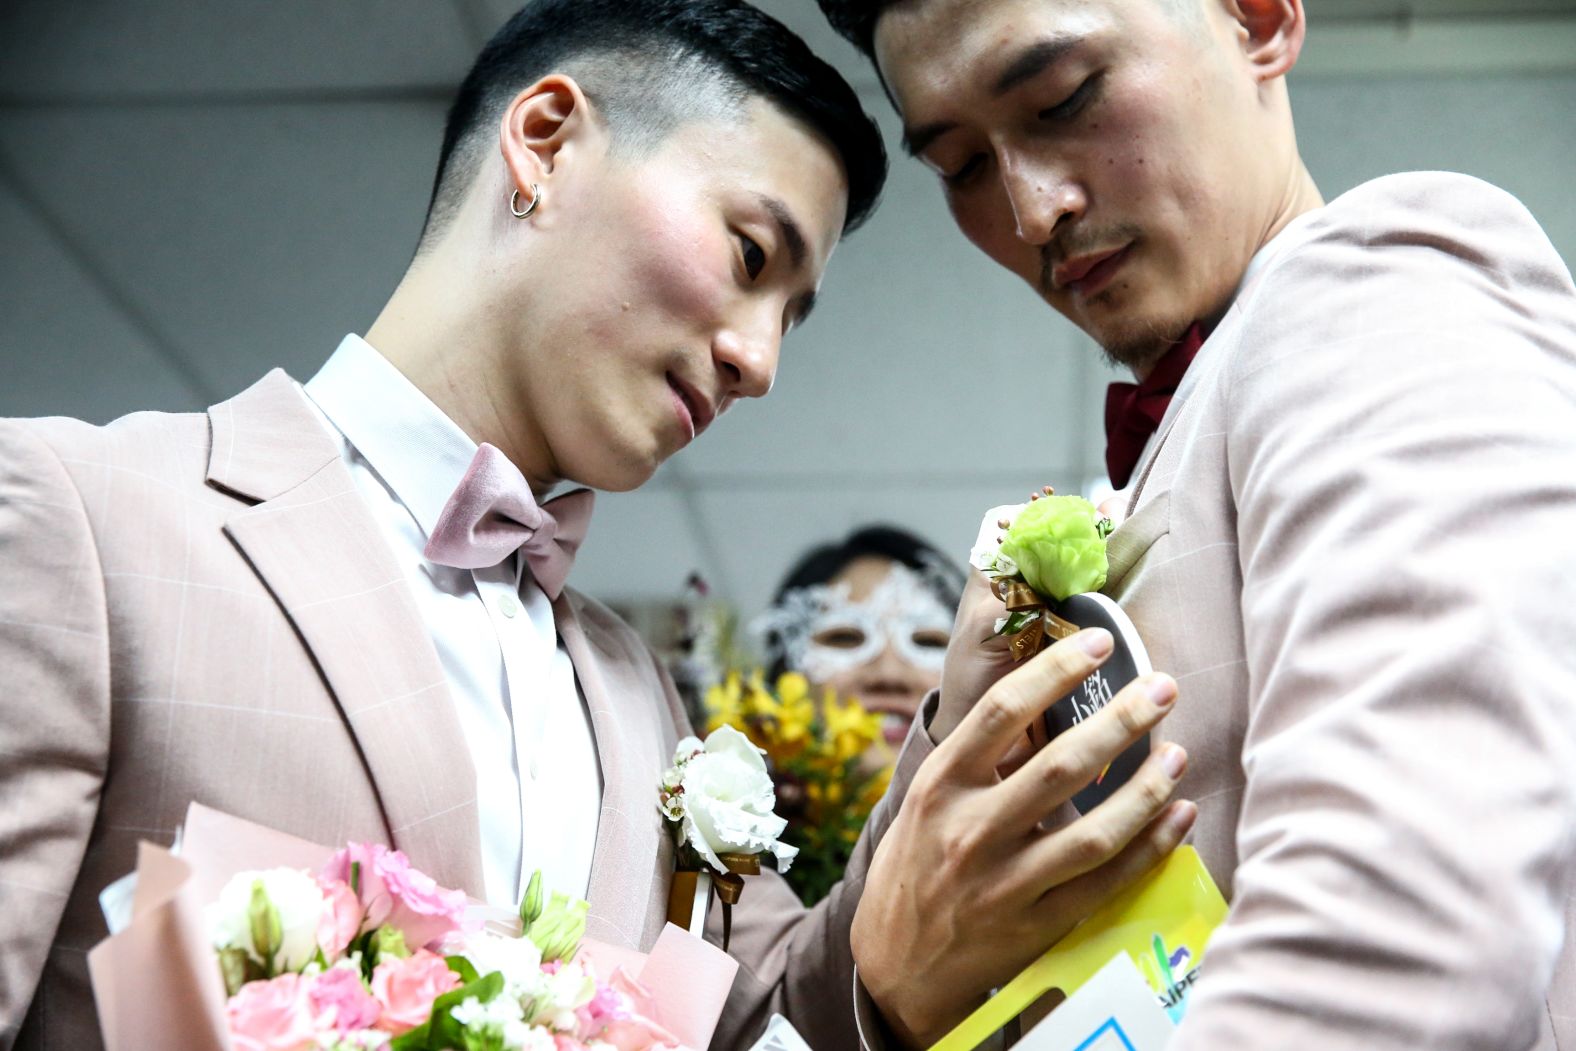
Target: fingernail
(1162, 690)
(1096, 642)
(1182, 817)
(1173, 760)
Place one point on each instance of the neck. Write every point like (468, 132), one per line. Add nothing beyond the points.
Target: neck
(437, 332)
(1299, 196)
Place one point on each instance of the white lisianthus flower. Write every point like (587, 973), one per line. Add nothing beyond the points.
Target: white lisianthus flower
(728, 801)
(292, 895)
(500, 1018)
(561, 995)
(986, 554)
(517, 959)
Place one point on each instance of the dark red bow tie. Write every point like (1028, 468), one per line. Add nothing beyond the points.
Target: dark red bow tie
(1134, 410)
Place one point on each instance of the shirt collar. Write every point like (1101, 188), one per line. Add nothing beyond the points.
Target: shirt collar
(419, 452)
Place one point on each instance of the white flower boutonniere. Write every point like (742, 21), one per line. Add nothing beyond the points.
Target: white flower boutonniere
(718, 800)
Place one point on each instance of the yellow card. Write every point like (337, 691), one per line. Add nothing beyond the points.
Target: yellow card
(1162, 922)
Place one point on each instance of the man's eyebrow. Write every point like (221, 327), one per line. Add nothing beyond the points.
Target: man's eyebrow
(788, 227)
(1032, 61)
(1029, 63)
(917, 140)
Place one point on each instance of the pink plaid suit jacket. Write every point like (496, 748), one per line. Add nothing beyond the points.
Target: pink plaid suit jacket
(1355, 548)
(201, 608)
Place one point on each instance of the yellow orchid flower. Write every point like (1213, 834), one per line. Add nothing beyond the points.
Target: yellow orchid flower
(850, 728)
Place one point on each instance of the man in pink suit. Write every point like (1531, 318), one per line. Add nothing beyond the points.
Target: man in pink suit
(337, 608)
(1352, 470)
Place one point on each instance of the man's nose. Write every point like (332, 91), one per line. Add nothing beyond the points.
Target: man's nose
(1040, 198)
(746, 355)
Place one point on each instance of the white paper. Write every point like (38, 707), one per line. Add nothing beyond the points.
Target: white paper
(116, 899)
(701, 905)
(780, 1036)
(1113, 1011)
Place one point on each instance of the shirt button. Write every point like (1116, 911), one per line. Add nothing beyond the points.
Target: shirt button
(508, 606)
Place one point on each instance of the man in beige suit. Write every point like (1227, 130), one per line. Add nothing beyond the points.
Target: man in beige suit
(1352, 528)
(337, 609)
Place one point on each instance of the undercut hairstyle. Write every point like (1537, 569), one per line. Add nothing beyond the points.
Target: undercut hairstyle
(649, 66)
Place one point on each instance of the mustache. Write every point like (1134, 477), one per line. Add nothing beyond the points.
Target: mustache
(1077, 242)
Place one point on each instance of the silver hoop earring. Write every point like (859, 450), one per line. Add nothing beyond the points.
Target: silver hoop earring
(514, 202)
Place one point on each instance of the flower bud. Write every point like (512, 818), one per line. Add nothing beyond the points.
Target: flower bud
(531, 904)
(558, 930)
(267, 931)
(389, 944)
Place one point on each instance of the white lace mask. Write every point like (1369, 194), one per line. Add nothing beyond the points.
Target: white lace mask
(821, 631)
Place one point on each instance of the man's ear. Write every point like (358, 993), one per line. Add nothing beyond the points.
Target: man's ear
(1273, 32)
(535, 127)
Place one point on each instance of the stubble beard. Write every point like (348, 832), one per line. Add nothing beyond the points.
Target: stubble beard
(1140, 346)
(1127, 341)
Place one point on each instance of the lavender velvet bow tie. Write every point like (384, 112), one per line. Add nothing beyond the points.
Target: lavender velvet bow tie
(493, 514)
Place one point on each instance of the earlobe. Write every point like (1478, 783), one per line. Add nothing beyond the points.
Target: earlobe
(535, 127)
(1275, 30)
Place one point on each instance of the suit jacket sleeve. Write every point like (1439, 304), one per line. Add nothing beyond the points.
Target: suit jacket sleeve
(1402, 457)
(54, 706)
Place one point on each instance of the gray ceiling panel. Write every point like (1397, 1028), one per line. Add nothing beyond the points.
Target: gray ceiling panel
(106, 49)
(258, 235)
(65, 348)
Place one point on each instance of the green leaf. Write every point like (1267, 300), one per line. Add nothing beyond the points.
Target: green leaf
(462, 967)
(440, 1032)
(1018, 621)
(446, 1032)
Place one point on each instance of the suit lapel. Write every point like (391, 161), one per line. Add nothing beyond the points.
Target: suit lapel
(316, 546)
(630, 838)
(1133, 538)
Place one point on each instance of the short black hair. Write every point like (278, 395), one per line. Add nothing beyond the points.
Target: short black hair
(941, 576)
(630, 57)
(855, 20)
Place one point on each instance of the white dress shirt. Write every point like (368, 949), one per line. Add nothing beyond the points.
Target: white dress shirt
(538, 785)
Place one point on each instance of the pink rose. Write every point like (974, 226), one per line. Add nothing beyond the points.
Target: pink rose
(406, 989)
(341, 919)
(274, 1015)
(395, 893)
(340, 1000)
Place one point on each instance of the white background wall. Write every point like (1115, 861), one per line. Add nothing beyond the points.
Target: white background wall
(193, 193)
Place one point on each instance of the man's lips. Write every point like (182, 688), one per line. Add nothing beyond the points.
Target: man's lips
(1086, 275)
(695, 410)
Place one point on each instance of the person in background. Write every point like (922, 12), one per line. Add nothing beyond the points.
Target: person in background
(868, 618)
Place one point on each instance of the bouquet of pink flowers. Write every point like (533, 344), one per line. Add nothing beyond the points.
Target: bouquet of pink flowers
(367, 952)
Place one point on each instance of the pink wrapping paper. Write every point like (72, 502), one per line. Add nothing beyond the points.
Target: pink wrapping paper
(157, 983)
